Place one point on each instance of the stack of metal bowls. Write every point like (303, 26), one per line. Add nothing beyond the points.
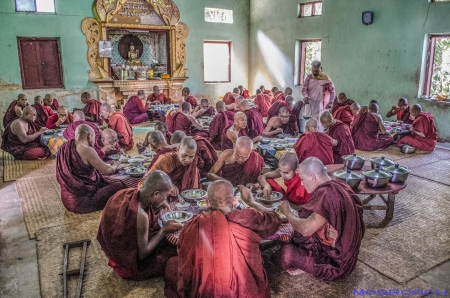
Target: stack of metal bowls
(351, 178)
(377, 178)
(353, 162)
(380, 162)
(399, 174)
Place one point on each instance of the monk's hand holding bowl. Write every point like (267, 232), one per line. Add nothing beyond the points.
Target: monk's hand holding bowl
(171, 226)
(267, 191)
(284, 208)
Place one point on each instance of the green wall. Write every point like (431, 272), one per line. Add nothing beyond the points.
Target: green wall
(381, 61)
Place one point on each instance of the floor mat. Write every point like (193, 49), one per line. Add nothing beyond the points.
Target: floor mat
(437, 171)
(14, 169)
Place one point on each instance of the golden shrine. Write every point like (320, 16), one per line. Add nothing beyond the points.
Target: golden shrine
(146, 48)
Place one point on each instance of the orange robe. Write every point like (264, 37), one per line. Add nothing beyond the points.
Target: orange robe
(294, 193)
(315, 144)
(51, 121)
(119, 123)
(424, 123)
(92, 109)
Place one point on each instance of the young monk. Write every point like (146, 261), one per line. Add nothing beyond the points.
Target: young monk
(255, 125)
(365, 131)
(91, 109)
(158, 98)
(230, 98)
(42, 111)
(218, 252)
(51, 102)
(22, 138)
(181, 166)
(218, 124)
(315, 143)
(423, 130)
(283, 123)
(276, 106)
(129, 224)
(79, 170)
(287, 169)
(186, 93)
(14, 111)
(278, 95)
(240, 165)
(134, 110)
(209, 111)
(341, 133)
(263, 102)
(401, 111)
(119, 123)
(340, 102)
(233, 131)
(62, 116)
(356, 108)
(345, 115)
(158, 144)
(185, 120)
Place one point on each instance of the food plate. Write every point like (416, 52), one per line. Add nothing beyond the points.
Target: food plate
(124, 165)
(193, 195)
(180, 216)
(136, 172)
(148, 153)
(114, 156)
(63, 125)
(274, 197)
(49, 132)
(146, 164)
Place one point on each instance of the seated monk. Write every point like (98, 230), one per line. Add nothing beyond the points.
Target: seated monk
(218, 252)
(157, 143)
(43, 112)
(368, 131)
(341, 133)
(181, 166)
(264, 91)
(134, 110)
(129, 223)
(62, 116)
(22, 138)
(328, 229)
(345, 115)
(283, 123)
(243, 92)
(423, 130)
(185, 120)
(14, 111)
(51, 102)
(255, 125)
(401, 111)
(233, 131)
(339, 102)
(278, 95)
(295, 193)
(108, 143)
(218, 124)
(176, 138)
(119, 123)
(263, 102)
(91, 109)
(206, 154)
(240, 165)
(230, 98)
(79, 170)
(315, 143)
(186, 93)
(162, 127)
(208, 111)
(158, 98)
(276, 106)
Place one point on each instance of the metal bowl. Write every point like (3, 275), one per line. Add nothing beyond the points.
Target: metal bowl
(278, 147)
(399, 174)
(407, 149)
(193, 195)
(183, 207)
(351, 178)
(136, 172)
(274, 197)
(136, 162)
(265, 141)
(353, 162)
(180, 216)
(114, 156)
(282, 141)
(148, 153)
(377, 178)
(49, 132)
(379, 162)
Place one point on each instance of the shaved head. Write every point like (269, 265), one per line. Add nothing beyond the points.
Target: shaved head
(258, 91)
(162, 127)
(106, 107)
(156, 181)
(186, 107)
(355, 106)
(220, 106)
(38, 99)
(236, 90)
(403, 101)
(289, 100)
(243, 105)
(373, 101)
(326, 117)
(28, 110)
(274, 89)
(312, 125)
(188, 142)
(239, 115)
(78, 115)
(244, 142)
(289, 159)
(288, 91)
(416, 109)
(156, 139)
(221, 195)
(108, 133)
(62, 109)
(243, 149)
(373, 108)
(82, 132)
(177, 136)
(284, 110)
(313, 165)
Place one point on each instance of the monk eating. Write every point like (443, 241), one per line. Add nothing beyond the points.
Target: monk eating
(401, 111)
(368, 131)
(62, 116)
(218, 124)
(284, 123)
(218, 252)
(278, 95)
(340, 102)
(158, 144)
(295, 193)
(240, 165)
(276, 106)
(129, 233)
(341, 133)
(181, 166)
(206, 154)
(162, 127)
(233, 131)
(42, 111)
(264, 90)
(208, 111)
(263, 102)
(158, 98)
(423, 130)
(230, 97)
(255, 125)
(119, 123)
(315, 143)
(186, 93)
(134, 110)
(185, 120)
(108, 143)
(22, 138)
(328, 229)
(14, 111)
(51, 102)
(79, 170)
(243, 92)
(91, 109)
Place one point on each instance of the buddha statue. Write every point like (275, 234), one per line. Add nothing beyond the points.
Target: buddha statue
(133, 59)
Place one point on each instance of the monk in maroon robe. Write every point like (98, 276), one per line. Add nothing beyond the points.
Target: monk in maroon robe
(283, 123)
(129, 225)
(328, 230)
(135, 110)
(229, 97)
(339, 102)
(423, 130)
(401, 111)
(186, 122)
(22, 138)
(345, 115)
(219, 255)
(78, 171)
(255, 124)
(157, 143)
(158, 98)
(368, 131)
(14, 111)
(278, 96)
(218, 124)
(42, 111)
(51, 102)
(243, 92)
(240, 165)
(162, 127)
(91, 109)
(275, 109)
(315, 143)
(207, 110)
(186, 93)
(263, 102)
(62, 116)
(119, 123)
(233, 131)
(264, 90)
(339, 132)
(206, 154)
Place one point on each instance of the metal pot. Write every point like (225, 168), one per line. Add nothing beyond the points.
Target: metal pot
(399, 174)
(353, 162)
(351, 178)
(407, 149)
(377, 178)
(379, 162)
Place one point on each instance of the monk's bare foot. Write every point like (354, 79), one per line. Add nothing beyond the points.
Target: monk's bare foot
(295, 272)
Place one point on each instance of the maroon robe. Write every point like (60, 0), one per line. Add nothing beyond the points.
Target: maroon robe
(278, 96)
(69, 134)
(92, 109)
(206, 153)
(119, 123)
(162, 98)
(192, 100)
(117, 235)
(51, 121)
(245, 93)
(29, 151)
(41, 115)
(365, 133)
(243, 173)
(210, 112)
(423, 123)
(219, 255)
(294, 193)
(290, 127)
(217, 125)
(135, 111)
(404, 115)
(345, 115)
(332, 251)
(263, 102)
(229, 98)
(341, 133)
(181, 122)
(160, 152)
(255, 124)
(83, 189)
(225, 142)
(337, 105)
(55, 104)
(275, 109)
(10, 114)
(315, 144)
(296, 110)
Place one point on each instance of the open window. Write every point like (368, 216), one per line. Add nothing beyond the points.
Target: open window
(307, 51)
(437, 67)
(310, 9)
(40, 6)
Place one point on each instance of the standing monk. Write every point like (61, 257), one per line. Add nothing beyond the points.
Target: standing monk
(51, 102)
(218, 124)
(255, 125)
(14, 111)
(186, 93)
(423, 130)
(22, 138)
(43, 112)
(135, 110)
(79, 170)
(208, 110)
(62, 116)
(91, 109)
(401, 111)
(219, 254)
(240, 165)
(158, 98)
(129, 224)
(283, 123)
(328, 229)
(263, 102)
(341, 133)
(119, 123)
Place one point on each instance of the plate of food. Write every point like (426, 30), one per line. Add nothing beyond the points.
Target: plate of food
(180, 216)
(124, 165)
(274, 197)
(146, 164)
(136, 172)
(63, 125)
(193, 195)
(148, 153)
(49, 132)
(114, 156)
